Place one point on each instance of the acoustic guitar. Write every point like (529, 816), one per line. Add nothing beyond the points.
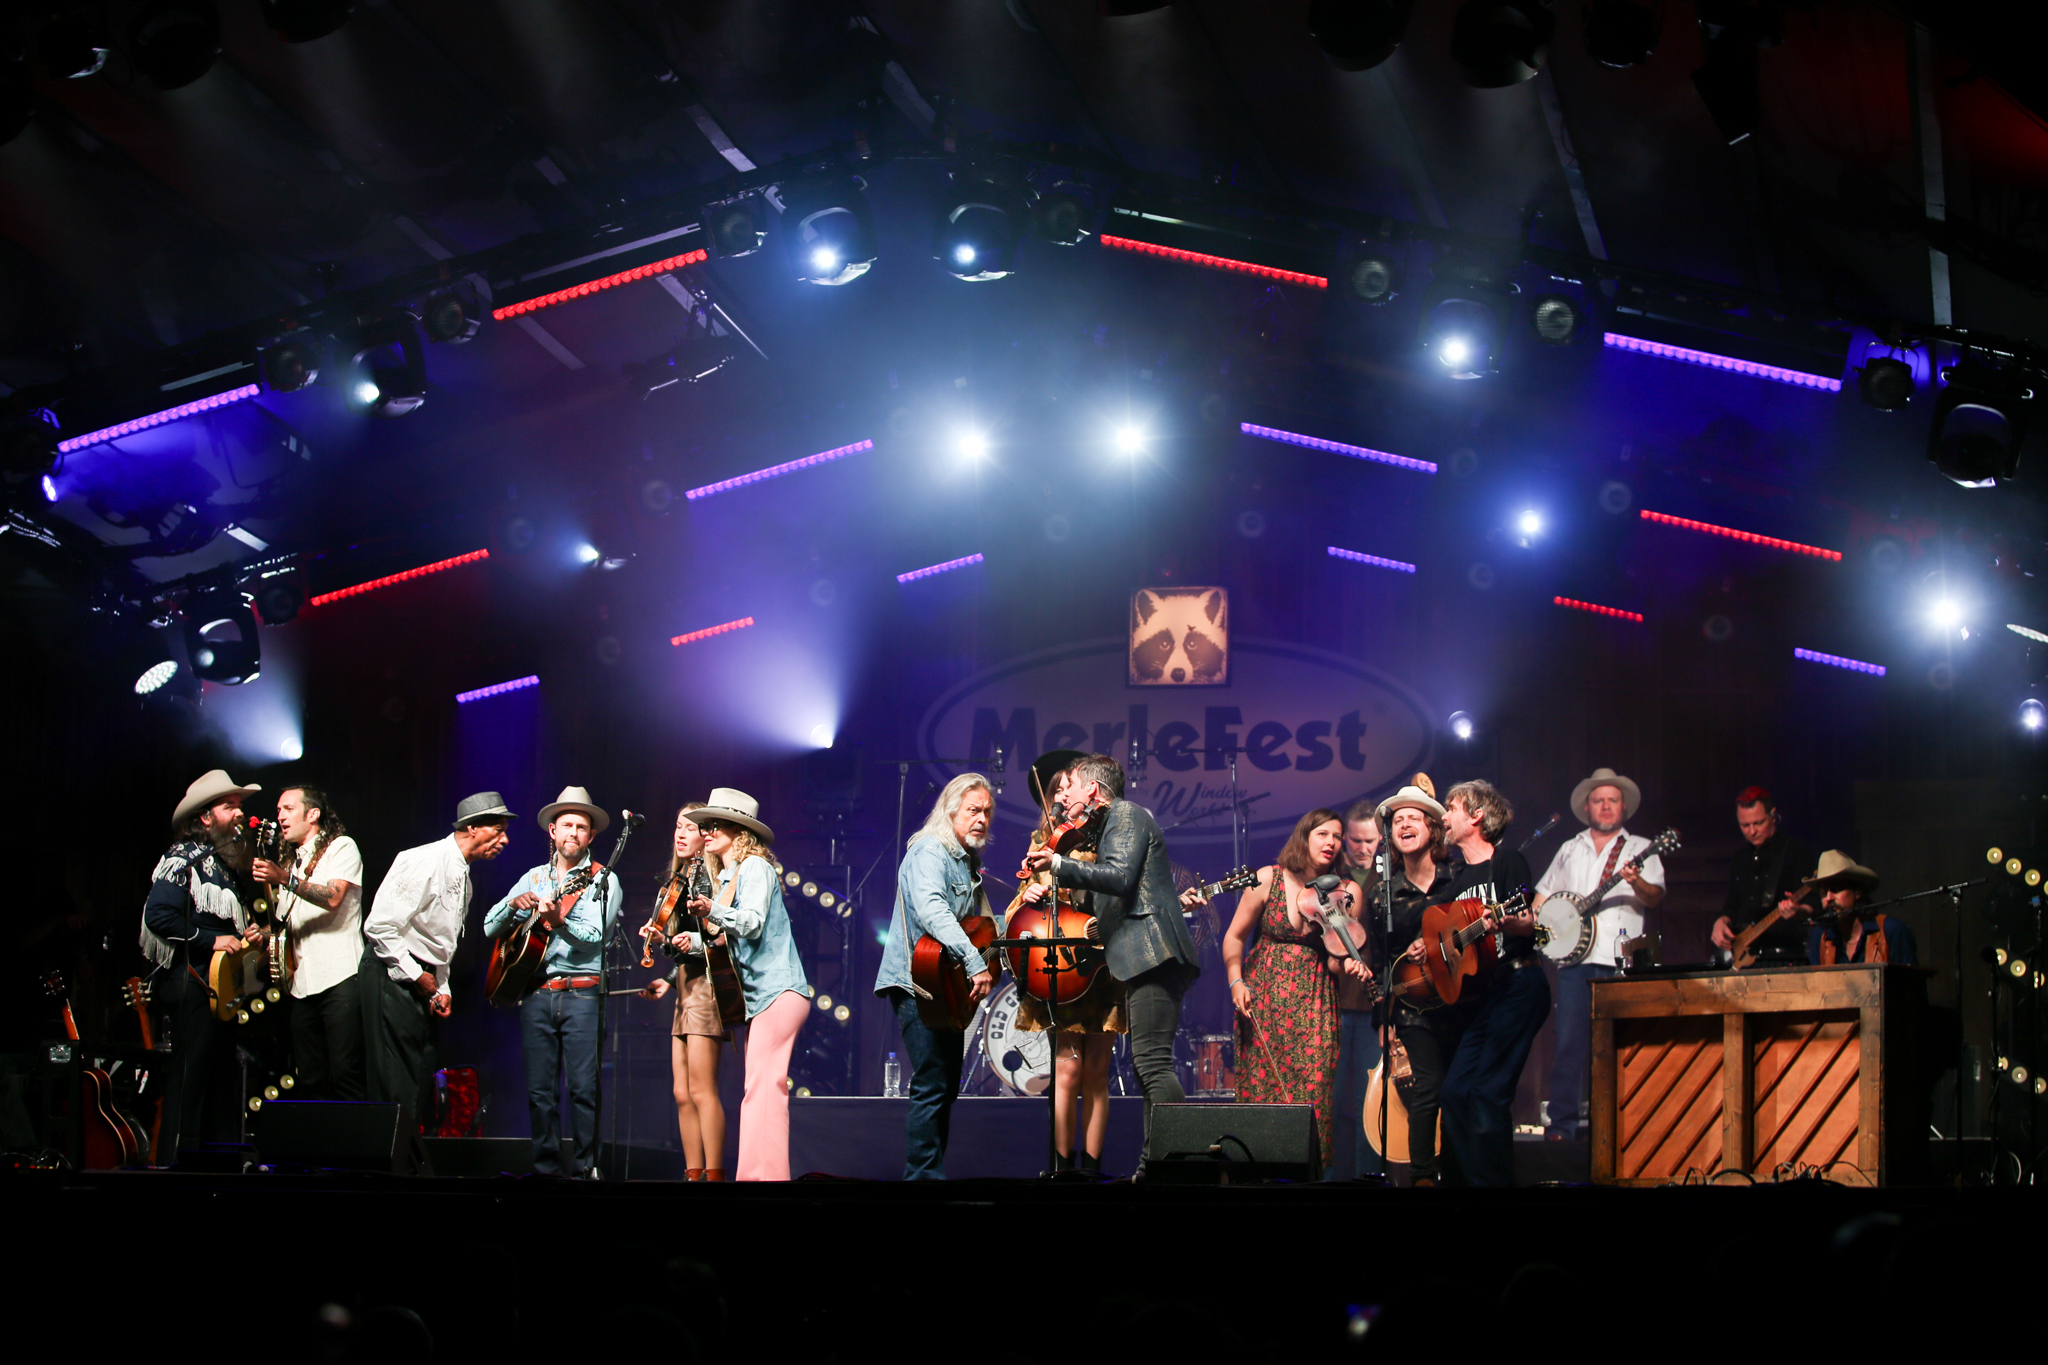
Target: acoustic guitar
(135, 994)
(106, 1138)
(719, 967)
(1742, 953)
(1458, 946)
(516, 954)
(946, 1002)
(1396, 1145)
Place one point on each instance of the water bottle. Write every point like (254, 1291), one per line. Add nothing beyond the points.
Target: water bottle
(892, 1078)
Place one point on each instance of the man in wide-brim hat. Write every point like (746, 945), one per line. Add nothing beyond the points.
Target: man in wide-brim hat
(1843, 931)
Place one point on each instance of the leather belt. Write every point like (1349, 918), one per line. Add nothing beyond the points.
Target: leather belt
(568, 983)
(1516, 964)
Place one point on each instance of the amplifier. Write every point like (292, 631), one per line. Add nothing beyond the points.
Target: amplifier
(339, 1135)
(1228, 1144)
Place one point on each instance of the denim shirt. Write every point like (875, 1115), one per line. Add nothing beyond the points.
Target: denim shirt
(757, 928)
(579, 943)
(935, 890)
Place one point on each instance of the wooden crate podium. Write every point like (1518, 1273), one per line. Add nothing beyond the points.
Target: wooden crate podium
(1697, 1073)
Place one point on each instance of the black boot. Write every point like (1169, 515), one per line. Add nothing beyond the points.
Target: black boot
(1062, 1161)
(1088, 1164)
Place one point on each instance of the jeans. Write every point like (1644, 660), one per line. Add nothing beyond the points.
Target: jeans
(207, 1076)
(559, 1027)
(1358, 1052)
(1479, 1091)
(1432, 1040)
(1153, 1007)
(327, 1042)
(935, 1058)
(1574, 1043)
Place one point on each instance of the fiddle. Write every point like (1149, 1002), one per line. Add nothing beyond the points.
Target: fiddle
(664, 915)
(1340, 928)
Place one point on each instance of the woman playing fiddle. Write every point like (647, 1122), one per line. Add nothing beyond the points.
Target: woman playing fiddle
(1284, 990)
(697, 1031)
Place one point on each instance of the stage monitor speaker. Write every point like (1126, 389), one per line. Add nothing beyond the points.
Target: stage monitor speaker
(1229, 1144)
(339, 1135)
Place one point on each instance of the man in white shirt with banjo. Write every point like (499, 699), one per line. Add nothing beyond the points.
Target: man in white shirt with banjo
(1602, 849)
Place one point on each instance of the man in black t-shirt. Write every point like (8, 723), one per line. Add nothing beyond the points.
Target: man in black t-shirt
(1479, 1087)
(1769, 867)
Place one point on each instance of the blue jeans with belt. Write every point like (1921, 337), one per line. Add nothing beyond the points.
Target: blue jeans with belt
(935, 1057)
(1479, 1090)
(1574, 1051)
(558, 1028)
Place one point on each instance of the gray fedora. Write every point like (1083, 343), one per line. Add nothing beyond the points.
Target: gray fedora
(483, 806)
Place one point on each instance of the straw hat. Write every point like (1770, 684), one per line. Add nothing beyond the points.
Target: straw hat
(1411, 797)
(1631, 794)
(574, 798)
(1838, 869)
(201, 795)
(735, 806)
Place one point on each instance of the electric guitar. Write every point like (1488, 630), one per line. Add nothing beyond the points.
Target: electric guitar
(516, 954)
(1740, 953)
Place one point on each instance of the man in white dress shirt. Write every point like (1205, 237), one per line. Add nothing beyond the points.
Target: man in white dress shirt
(1603, 801)
(413, 928)
(320, 898)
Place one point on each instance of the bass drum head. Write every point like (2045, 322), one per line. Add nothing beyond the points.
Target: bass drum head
(1021, 1061)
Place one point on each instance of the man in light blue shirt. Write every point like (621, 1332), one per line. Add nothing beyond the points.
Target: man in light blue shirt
(937, 886)
(558, 1023)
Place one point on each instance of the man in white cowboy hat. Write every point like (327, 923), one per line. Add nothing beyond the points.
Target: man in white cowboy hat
(558, 1023)
(414, 926)
(1843, 931)
(1602, 802)
(194, 909)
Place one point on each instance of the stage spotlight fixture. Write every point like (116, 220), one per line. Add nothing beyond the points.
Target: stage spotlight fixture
(1944, 613)
(452, 315)
(933, 570)
(734, 227)
(1530, 524)
(588, 554)
(74, 44)
(1621, 32)
(829, 233)
(174, 42)
(1980, 421)
(1461, 725)
(971, 444)
(28, 448)
(1555, 319)
(1501, 42)
(387, 367)
(220, 638)
(155, 676)
(1465, 316)
(301, 21)
(1064, 215)
(1885, 382)
(291, 362)
(2033, 715)
(49, 489)
(1357, 35)
(1373, 277)
(821, 735)
(1129, 440)
(978, 227)
(279, 598)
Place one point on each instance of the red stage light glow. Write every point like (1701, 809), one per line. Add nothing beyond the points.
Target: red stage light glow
(1750, 537)
(421, 572)
(638, 272)
(1217, 262)
(1616, 612)
(691, 637)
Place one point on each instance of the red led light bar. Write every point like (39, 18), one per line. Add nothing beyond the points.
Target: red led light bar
(638, 272)
(1216, 262)
(1750, 537)
(691, 637)
(1616, 612)
(421, 572)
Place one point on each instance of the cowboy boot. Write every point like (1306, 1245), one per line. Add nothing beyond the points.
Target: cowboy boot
(693, 1173)
(1062, 1161)
(714, 1173)
(1088, 1163)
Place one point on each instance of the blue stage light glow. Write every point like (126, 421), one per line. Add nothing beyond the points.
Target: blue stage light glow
(1722, 362)
(931, 569)
(157, 419)
(1295, 438)
(1358, 557)
(777, 471)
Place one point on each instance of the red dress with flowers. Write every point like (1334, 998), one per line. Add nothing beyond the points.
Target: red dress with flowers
(1294, 1002)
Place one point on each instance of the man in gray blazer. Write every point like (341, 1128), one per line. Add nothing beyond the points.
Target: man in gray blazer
(1148, 945)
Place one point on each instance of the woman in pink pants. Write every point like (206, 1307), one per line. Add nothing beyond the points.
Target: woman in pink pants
(749, 912)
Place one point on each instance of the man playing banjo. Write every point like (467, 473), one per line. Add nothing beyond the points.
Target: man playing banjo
(1603, 801)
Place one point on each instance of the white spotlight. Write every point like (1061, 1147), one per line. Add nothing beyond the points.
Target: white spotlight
(824, 260)
(49, 489)
(1129, 440)
(366, 393)
(1945, 613)
(156, 676)
(1530, 523)
(587, 554)
(2033, 715)
(1454, 351)
(1461, 725)
(291, 751)
(821, 735)
(963, 254)
(972, 444)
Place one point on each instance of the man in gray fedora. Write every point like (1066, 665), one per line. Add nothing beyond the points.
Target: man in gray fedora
(413, 928)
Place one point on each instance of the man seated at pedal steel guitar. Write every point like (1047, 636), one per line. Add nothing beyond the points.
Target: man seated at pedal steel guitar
(558, 1022)
(194, 909)
(1842, 930)
(1769, 867)
(1602, 802)
(938, 884)
(320, 902)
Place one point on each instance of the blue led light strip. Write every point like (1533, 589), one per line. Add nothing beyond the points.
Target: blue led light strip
(1724, 362)
(1295, 438)
(777, 471)
(946, 567)
(530, 680)
(1378, 563)
(157, 419)
(1814, 656)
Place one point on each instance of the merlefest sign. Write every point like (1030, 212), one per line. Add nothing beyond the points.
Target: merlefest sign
(1309, 728)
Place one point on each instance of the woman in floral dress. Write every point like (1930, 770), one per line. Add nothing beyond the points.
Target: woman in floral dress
(1284, 989)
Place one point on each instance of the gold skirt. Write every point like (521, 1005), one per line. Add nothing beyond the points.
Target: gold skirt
(697, 1007)
(1099, 1010)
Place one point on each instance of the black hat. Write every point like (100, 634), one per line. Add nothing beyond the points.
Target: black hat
(479, 808)
(1046, 768)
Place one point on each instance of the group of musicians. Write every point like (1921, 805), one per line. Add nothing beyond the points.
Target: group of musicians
(1310, 954)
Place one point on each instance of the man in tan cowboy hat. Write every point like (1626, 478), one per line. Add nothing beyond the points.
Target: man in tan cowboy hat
(195, 908)
(1843, 931)
(1602, 802)
(558, 1023)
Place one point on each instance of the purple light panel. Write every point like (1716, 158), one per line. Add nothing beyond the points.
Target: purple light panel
(1814, 656)
(157, 419)
(777, 471)
(530, 680)
(1357, 558)
(929, 570)
(1295, 438)
(1722, 362)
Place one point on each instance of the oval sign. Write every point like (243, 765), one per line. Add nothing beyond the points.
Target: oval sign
(1309, 728)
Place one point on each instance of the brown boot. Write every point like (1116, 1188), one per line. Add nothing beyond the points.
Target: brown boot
(693, 1173)
(713, 1173)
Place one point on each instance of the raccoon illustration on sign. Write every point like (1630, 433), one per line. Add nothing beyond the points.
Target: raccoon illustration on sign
(1180, 637)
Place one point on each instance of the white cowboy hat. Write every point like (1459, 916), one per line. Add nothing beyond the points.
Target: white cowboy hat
(1839, 869)
(735, 806)
(210, 788)
(1631, 794)
(574, 798)
(1412, 797)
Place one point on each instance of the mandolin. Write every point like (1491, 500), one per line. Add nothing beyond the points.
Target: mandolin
(1566, 920)
(516, 954)
(1458, 944)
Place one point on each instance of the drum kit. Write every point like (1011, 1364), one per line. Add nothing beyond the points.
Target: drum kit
(1019, 1061)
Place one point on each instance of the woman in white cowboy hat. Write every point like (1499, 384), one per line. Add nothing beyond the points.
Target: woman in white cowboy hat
(749, 909)
(1843, 931)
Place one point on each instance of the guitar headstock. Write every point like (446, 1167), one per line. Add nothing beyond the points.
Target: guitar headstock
(1238, 880)
(135, 993)
(1513, 905)
(1667, 842)
(53, 985)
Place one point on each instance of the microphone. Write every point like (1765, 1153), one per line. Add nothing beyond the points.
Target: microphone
(632, 821)
(1538, 832)
(996, 767)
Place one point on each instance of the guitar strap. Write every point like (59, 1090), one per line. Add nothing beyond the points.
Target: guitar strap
(1613, 859)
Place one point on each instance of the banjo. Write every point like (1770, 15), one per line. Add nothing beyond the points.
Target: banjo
(1565, 920)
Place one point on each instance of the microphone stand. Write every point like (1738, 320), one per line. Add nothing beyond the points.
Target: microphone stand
(604, 941)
